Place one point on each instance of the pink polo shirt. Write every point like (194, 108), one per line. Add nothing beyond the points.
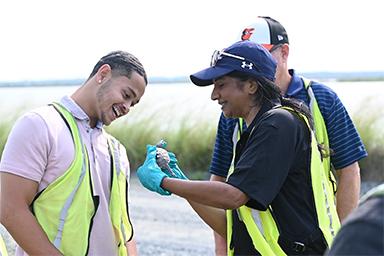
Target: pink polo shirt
(40, 148)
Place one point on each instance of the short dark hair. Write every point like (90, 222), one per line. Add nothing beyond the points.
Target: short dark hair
(122, 63)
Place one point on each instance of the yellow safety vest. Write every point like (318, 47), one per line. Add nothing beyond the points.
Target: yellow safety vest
(235, 138)
(65, 209)
(321, 134)
(3, 249)
(266, 242)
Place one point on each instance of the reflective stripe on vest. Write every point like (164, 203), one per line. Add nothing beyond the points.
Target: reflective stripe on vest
(235, 138)
(118, 207)
(265, 240)
(65, 209)
(323, 194)
(3, 249)
(321, 134)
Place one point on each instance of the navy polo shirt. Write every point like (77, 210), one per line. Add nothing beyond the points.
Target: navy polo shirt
(272, 168)
(343, 137)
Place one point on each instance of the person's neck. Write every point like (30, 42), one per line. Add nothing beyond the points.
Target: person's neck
(81, 96)
(248, 117)
(283, 82)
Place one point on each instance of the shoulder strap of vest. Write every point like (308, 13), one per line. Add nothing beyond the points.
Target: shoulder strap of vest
(56, 107)
(311, 94)
(269, 111)
(320, 131)
(307, 82)
(114, 150)
(240, 122)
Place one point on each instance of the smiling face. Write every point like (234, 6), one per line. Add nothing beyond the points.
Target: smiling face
(234, 96)
(117, 95)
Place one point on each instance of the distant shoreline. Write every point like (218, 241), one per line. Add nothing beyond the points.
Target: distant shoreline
(368, 76)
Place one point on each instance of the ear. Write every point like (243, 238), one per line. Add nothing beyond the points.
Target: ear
(285, 51)
(252, 86)
(103, 73)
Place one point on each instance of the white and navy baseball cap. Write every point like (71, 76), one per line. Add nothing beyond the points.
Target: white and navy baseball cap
(244, 56)
(265, 31)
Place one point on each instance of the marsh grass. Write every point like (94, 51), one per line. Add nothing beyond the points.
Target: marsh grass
(6, 123)
(190, 137)
(369, 120)
(5, 127)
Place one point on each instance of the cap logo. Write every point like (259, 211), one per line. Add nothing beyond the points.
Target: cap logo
(280, 37)
(247, 33)
(245, 65)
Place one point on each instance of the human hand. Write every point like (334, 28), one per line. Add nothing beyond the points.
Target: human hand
(162, 160)
(178, 173)
(150, 174)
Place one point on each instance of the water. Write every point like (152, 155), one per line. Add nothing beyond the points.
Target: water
(185, 96)
(172, 100)
(356, 94)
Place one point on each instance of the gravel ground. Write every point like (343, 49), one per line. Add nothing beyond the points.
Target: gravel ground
(165, 225)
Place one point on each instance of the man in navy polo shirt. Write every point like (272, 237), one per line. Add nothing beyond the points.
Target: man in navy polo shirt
(344, 140)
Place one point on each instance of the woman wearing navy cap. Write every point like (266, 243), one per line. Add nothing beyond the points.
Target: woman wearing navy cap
(276, 200)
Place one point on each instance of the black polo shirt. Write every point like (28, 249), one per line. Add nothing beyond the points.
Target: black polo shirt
(272, 166)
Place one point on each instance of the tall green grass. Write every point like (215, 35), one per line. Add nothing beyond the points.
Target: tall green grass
(6, 123)
(191, 136)
(369, 120)
(5, 127)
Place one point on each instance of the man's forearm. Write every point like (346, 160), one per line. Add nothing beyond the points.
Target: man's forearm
(348, 190)
(28, 234)
(213, 217)
(16, 195)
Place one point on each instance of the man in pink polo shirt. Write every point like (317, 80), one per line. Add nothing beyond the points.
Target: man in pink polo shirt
(40, 150)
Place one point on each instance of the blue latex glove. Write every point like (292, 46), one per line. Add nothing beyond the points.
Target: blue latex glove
(175, 168)
(150, 174)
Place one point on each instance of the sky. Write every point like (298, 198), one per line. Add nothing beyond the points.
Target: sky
(49, 39)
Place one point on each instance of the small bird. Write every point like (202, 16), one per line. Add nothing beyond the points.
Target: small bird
(162, 157)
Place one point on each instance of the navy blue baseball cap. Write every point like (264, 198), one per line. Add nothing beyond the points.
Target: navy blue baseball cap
(244, 56)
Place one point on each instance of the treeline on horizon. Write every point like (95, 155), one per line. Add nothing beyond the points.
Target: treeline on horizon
(336, 76)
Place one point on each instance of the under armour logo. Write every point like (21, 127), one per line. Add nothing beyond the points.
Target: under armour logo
(245, 65)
